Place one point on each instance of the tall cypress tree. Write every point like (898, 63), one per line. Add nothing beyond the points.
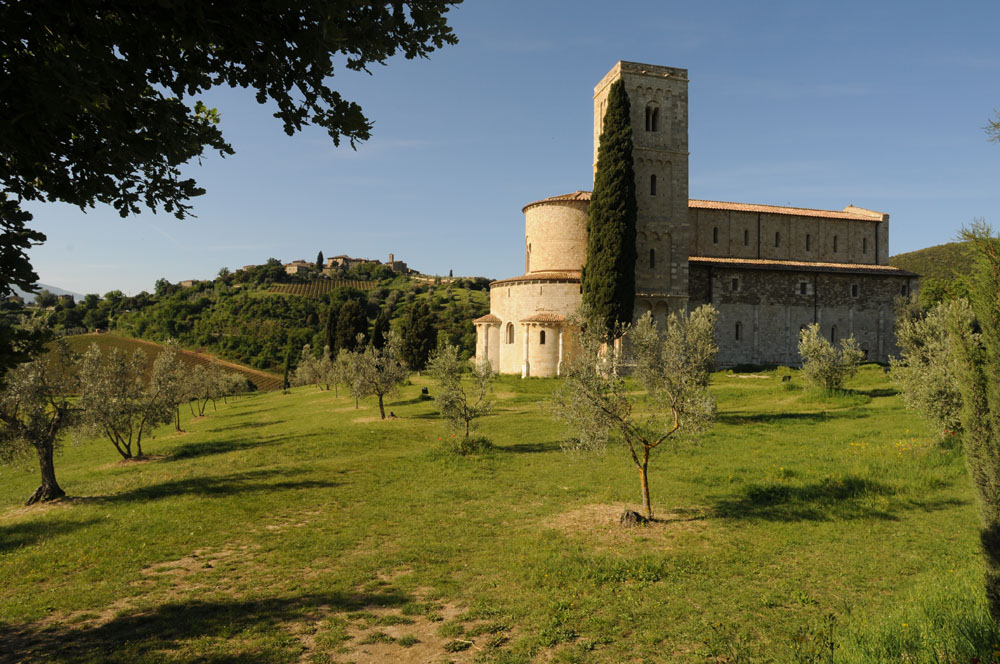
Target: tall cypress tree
(380, 331)
(351, 321)
(609, 272)
(418, 335)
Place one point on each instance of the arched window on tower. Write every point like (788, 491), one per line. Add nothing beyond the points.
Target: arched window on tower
(833, 334)
(777, 239)
(541, 338)
(808, 242)
(715, 235)
(835, 243)
(652, 117)
(746, 238)
(652, 259)
(652, 185)
(510, 333)
(739, 331)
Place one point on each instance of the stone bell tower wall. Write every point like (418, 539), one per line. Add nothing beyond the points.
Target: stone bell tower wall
(658, 97)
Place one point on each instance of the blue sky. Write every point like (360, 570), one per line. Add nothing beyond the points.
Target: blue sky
(876, 104)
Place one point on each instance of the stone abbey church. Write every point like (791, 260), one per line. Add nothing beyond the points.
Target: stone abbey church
(768, 270)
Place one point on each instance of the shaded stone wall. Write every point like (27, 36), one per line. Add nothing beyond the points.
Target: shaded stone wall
(762, 311)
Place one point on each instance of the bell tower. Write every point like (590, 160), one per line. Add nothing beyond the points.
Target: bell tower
(658, 97)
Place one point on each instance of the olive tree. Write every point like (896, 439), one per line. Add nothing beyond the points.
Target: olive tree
(825, 365)
(168, 385)
(115, 398)
(34, 412)
(312, 370)
(925, 370)
(211, 383)
(666, 401)
(458, 404)
(378, 371)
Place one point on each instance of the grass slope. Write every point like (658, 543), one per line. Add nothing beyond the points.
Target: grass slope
(105, 341)
(295, 528)
(943, 261)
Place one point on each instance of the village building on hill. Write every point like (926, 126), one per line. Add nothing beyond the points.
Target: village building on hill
(344, 262)
(769, 270)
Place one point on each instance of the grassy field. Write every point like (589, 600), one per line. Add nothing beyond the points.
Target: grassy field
(295, 528)
(81, 342)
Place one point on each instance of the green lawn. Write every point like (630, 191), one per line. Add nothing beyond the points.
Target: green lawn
(296, 528)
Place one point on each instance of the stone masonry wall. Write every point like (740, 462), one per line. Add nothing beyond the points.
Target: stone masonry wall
(787, 237)
(513, 302)
(555, 236)
(658, 98)
(762, 311)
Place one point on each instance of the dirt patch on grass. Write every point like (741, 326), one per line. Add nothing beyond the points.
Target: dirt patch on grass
(600, 523)
(421, 631)
(370, 420)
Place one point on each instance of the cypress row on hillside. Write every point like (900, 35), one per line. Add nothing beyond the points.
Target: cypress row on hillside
(609, 274)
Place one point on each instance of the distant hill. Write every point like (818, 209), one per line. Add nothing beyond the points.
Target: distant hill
(944, 261)
(940, 268)
(30, 297)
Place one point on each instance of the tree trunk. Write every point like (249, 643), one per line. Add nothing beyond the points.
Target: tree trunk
(381, 408)
(647, 508)
(177, 418)
(49, 489)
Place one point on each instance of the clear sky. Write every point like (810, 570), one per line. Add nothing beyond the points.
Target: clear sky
(812, 104)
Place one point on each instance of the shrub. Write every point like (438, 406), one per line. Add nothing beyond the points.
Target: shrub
(925, 370)
(823, 364)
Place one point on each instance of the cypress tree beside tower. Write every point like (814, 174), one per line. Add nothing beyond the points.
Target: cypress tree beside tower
(609, 274)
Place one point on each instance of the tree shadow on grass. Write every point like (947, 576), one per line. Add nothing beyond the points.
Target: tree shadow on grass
(25, 533)
(827, 500)
(217, 486)
(208, 448)
(408, 402)
(743, 418)
(225, 630)
(530, 448)
(246, 425)
(877, 392)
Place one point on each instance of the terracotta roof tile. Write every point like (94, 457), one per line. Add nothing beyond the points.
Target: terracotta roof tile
(488, 318)
(544, 318)
(804, 266)
(567, 275)
(575, 196)
(851, 212)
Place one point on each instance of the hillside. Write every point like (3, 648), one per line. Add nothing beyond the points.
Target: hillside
(296, 528)
(81, 342)
(943, 261)
(255, 317)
